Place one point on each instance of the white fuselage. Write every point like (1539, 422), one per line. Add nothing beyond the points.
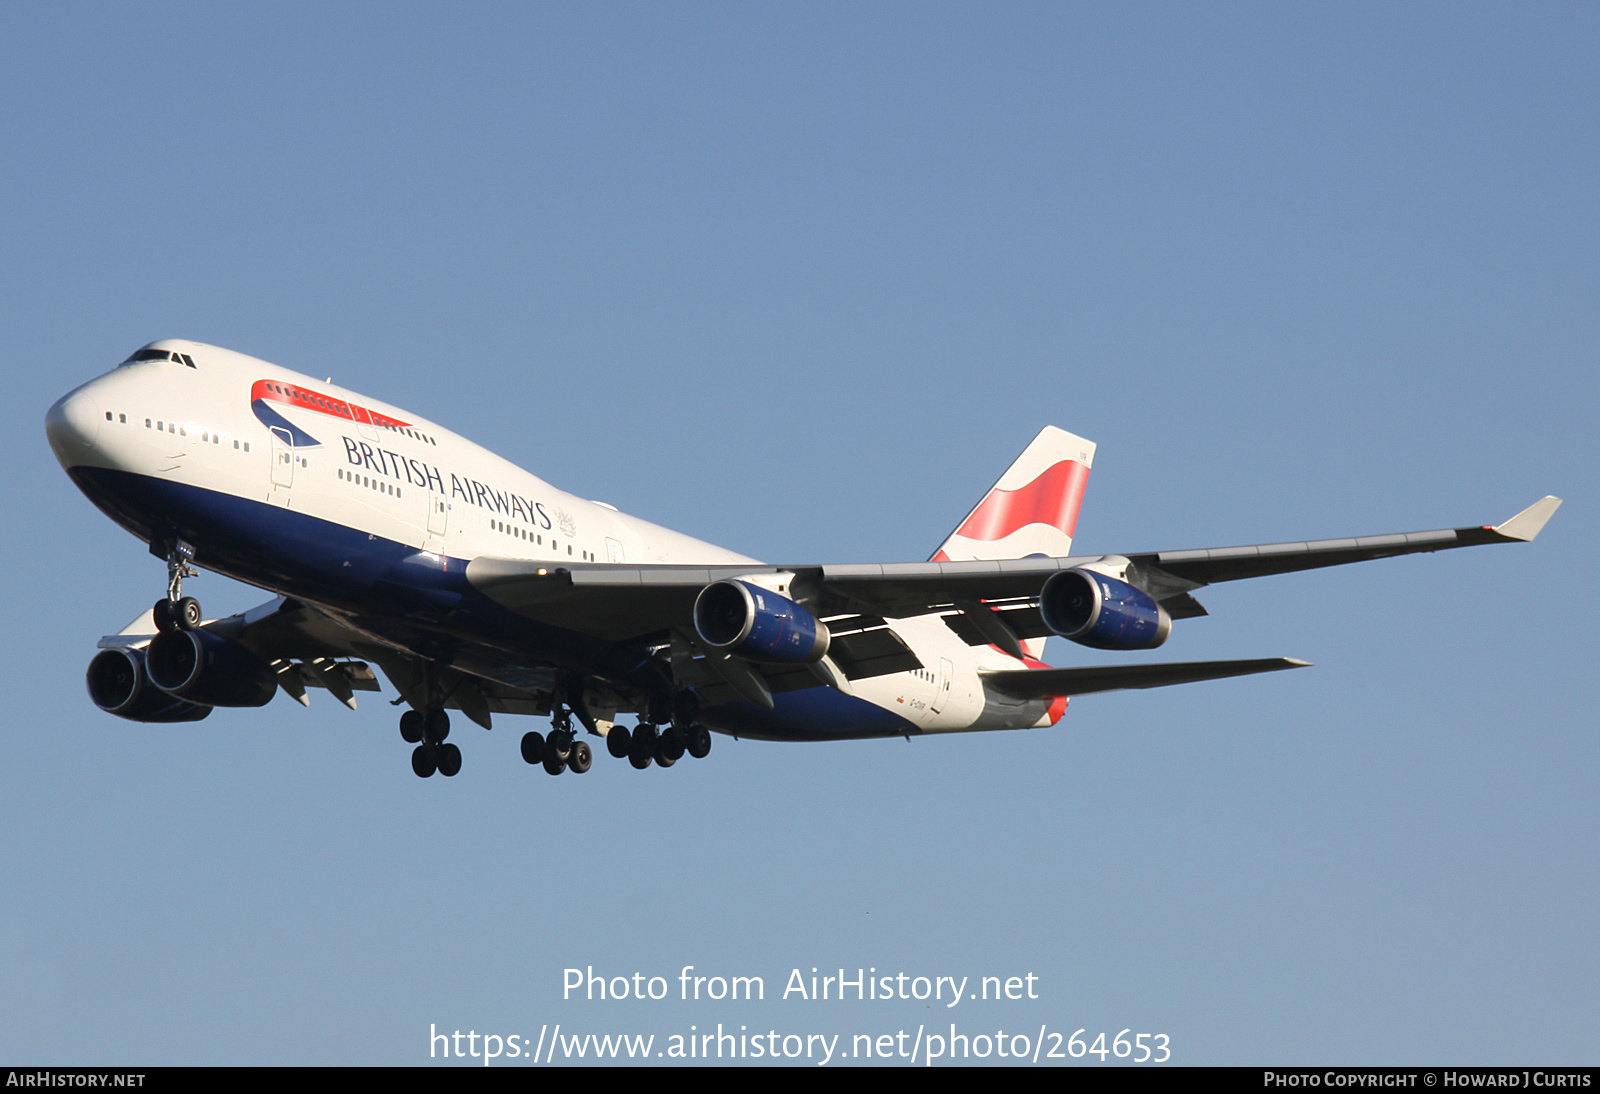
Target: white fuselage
(241, 427)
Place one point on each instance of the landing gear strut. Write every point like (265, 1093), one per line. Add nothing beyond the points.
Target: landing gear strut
(178, 612)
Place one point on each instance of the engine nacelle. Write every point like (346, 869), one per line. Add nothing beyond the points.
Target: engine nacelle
(1095, 610)
(118, 685)
(755, 623)
(206, 668)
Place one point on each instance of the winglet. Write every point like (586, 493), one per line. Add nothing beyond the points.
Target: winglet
(1528, 523)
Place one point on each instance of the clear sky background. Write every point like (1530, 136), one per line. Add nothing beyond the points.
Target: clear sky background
(802, 280)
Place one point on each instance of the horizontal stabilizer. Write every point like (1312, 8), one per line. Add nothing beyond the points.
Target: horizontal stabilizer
(1060, 683)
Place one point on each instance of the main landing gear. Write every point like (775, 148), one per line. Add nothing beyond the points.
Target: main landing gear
(560, 751)
(664, 746)
(178, 612)
(646, 744)
(427, 729)
(433, 753)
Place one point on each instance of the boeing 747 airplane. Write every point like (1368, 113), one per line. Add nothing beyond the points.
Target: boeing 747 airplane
(474, 586)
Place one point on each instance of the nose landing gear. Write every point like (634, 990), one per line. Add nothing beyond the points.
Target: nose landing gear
(178, 612)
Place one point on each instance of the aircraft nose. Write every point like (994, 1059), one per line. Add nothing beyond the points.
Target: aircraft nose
(72, 425)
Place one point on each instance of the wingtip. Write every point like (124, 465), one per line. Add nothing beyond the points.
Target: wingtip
(1295, 663)
(1527, 524)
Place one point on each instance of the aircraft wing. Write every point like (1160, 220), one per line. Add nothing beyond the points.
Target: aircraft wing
(623, 602)
(306, 647)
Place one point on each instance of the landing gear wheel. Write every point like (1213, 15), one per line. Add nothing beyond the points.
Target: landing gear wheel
(643, 746)
(699, 743)
(436, 726)
(411, 727)
(423, 762)
(669, 747)
(449, 760)
(187, 614)
(533, 747)
(617, 741)
(166, 619)
(560, 743)
(553, 763)
(581, 758)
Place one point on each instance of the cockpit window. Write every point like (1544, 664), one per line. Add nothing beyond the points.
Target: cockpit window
(160, 355)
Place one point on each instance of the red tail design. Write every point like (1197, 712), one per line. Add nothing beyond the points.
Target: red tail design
(1053, 498)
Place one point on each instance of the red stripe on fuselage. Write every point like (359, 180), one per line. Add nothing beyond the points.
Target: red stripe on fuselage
(293, 395)
(1058, 705)
(1053, 498)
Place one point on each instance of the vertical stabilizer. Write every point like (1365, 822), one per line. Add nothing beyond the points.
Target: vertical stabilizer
(1033, 508)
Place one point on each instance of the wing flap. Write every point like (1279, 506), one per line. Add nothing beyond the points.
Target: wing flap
(1023, 619)
(865, 654)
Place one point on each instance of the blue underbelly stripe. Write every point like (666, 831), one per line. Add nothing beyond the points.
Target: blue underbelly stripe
(811, 714)
(299, 554)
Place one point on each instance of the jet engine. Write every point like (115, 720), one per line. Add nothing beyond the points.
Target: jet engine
(118, 685)
(1094, 610)
(755, 623)
(206, 668)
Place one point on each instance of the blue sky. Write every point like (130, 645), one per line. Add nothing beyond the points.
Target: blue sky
(802, 280)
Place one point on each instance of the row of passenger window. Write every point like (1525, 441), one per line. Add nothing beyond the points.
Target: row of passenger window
(534, 538)
(163, 426)
(371, 483)
(409, 432)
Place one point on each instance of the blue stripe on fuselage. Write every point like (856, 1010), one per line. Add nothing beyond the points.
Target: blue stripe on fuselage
(273, 420)
(264, 544)
(392, 586)
(811, 714)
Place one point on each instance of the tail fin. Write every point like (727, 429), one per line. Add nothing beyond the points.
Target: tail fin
(1031, 510)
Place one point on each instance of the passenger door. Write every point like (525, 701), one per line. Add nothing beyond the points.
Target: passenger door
(282, 465)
